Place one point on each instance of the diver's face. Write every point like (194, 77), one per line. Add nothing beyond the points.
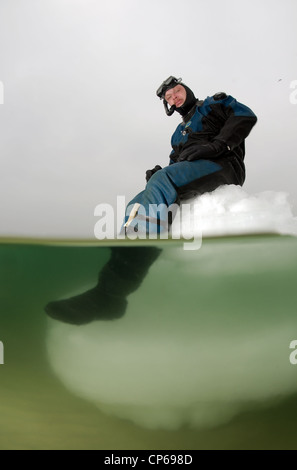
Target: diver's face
(176, 96)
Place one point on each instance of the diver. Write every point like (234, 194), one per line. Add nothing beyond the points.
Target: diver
(208, 150)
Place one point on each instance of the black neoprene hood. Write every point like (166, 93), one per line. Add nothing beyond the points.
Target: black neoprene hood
(172, 82)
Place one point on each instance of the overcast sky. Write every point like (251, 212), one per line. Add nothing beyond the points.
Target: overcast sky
(81, 123)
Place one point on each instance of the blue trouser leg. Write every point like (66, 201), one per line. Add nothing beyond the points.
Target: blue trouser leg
(162, 191)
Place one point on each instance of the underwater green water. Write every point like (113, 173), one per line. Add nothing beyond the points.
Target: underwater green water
(200, 360)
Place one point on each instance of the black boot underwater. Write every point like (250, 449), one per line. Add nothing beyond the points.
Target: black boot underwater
(122, 275)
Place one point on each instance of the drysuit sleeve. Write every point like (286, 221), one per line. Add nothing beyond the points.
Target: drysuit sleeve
(238, 120)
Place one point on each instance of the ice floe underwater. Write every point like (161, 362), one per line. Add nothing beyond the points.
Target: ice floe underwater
(207, 334)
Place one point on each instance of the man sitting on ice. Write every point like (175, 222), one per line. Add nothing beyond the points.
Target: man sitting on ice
(207, 152)
(208, 149)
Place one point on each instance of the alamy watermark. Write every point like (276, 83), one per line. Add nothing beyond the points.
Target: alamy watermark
(293, 355)
(293, 94)
(152, 224)
(1, 353)
(1, 93)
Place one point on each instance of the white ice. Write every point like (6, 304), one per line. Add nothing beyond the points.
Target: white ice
(230, 210)
(202, 338)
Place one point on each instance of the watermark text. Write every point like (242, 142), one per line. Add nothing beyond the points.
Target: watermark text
(293, 355)
(1, 93)
(1, 353)
(293, 94)
(155, 222)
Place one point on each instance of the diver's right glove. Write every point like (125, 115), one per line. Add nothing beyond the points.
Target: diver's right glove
(150, 173)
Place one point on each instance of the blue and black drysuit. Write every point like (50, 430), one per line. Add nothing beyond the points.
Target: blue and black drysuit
(216, 129)
(219, 119)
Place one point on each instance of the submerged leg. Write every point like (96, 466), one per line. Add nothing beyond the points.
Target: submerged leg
(122, 275)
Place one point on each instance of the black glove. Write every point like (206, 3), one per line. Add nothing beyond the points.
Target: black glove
(174, 157)
(150, 173)
(199, 151)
